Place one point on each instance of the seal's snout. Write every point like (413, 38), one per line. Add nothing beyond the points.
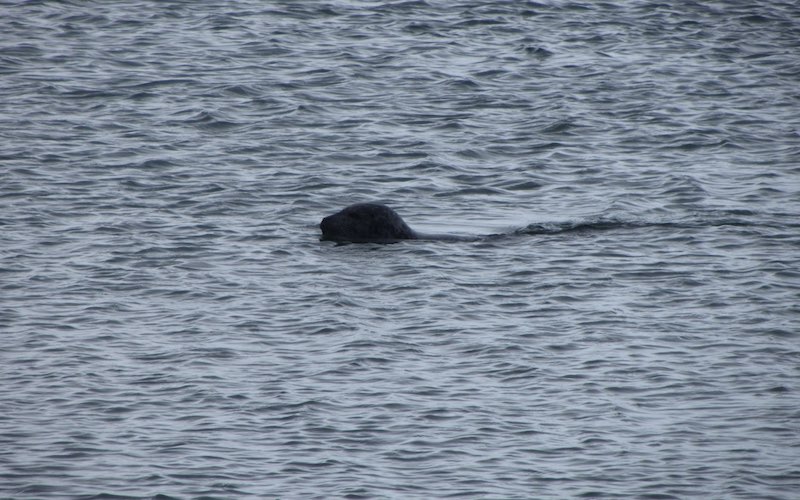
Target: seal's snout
(324, 226)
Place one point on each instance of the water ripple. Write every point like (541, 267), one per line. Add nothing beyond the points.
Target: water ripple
(620, 320)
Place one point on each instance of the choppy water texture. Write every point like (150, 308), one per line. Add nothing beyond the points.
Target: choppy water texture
(173, 327)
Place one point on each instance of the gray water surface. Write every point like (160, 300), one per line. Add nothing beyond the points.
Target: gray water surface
(172, 326)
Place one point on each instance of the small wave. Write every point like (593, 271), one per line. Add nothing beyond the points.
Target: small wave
(598, 224)
(604, 223)
(208, 121)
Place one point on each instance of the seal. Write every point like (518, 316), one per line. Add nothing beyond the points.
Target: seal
(377, 223)
(366, 223)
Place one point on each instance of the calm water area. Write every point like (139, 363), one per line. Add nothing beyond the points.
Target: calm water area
(626, 323)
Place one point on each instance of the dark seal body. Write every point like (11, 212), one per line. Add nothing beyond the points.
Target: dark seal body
(366, 223)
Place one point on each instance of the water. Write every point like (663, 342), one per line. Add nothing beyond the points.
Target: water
(173, 328)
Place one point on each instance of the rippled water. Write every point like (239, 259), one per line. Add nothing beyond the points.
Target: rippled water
(172, 327)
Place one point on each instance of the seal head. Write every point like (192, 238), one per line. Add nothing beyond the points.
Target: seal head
(366, 223)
